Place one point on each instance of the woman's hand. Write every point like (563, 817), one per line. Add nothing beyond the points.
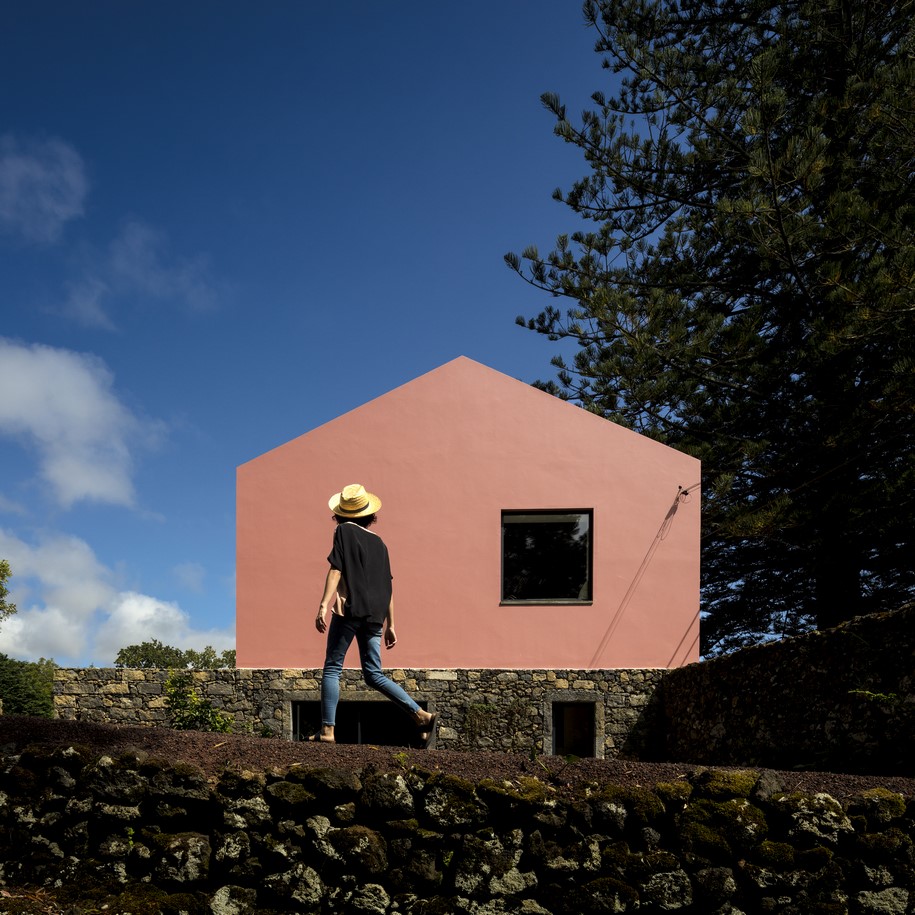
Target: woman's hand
(390, 637)
(330, 591)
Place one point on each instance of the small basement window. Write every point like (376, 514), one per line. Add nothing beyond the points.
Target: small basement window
(574, 729)
(546, 557)
(377, 722)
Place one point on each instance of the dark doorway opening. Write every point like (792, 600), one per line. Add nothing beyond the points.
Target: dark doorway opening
(574, 729)
(380, 723)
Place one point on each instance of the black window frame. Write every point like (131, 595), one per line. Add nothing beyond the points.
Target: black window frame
(547, 601)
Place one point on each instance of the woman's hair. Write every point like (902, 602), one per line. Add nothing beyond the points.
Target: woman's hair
(364, 521)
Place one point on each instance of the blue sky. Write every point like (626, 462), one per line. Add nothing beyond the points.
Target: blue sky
(223, 224)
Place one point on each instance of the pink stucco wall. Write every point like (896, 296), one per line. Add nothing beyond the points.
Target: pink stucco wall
(447, 453)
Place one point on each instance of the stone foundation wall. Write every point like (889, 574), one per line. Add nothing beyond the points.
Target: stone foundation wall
(841, 700)
(478, 709)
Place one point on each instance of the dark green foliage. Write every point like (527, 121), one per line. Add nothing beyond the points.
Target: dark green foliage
(154, 654)
(26, 687)
(743, 290)
(187, 711)
(6, 608)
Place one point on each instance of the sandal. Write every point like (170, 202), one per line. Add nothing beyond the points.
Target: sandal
(317, 738)
(427, 731)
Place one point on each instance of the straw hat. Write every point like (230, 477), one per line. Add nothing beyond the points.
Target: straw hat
(354, 502)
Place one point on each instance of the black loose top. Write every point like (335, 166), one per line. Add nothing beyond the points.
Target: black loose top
(363, 561)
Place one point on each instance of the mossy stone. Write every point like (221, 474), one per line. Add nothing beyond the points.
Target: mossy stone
(719, 784)
(736, 824)
(240, 784)
(713, 886)
(825, 908)
(812, 820)
(813, 860)
(525, 791)
(879, 805)
(335, 786)
(289, 794)
(452, 782)
(411, 829)
(430, 905)
(704, 842)
(616, 857)
(184, 856)
(181, 781)
(37, 758)
(362, 848)
(73, 758)
(880, 846)
(136, 898)
(451, 802)
(603, 895)
(775, 855)
(643, 807)
(674, 795)
(155, 765)
(24, 780)
(655, 862)
(386, 795)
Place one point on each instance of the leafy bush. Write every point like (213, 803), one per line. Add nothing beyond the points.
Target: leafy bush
(187, 711)
(27, 687)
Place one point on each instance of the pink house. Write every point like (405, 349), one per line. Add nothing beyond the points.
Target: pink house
(524, 532)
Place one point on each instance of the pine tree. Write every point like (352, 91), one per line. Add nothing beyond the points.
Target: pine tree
(743, 288)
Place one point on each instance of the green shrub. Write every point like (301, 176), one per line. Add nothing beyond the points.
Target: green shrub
(26, 687)
(187, 711)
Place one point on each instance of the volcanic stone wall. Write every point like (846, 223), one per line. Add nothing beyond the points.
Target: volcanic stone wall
(478, 709)
(133, 835)
(841, 700)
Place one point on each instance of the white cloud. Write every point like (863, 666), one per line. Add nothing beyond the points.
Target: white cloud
(11, 507)
(139, 260)
(134, 618)
(63, 405)
(85, 303)
(58, 586)
(70, 610)
(190, 575)
(64, 567)
(42, 632)
(42, 186)
(139, 266)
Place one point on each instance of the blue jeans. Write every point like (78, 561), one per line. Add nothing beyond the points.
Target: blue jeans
(340, 636)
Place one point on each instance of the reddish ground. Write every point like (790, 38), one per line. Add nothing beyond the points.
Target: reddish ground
(214, 752)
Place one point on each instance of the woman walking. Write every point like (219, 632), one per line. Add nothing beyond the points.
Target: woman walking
(359, 593)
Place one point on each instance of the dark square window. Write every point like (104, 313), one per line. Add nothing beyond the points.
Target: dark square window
(376, 722)
(573, 728)
(546, 557)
